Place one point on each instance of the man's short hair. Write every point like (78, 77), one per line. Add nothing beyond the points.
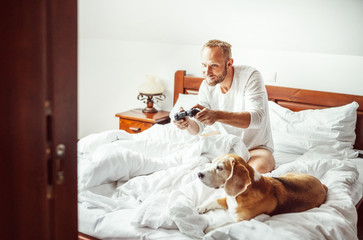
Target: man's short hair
(224, 46)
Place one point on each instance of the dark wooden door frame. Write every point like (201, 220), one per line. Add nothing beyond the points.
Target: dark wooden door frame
(38, 96)
(62, 74)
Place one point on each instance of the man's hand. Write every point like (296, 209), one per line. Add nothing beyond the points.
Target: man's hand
(187, 124)
(182, 123)
(206, 116)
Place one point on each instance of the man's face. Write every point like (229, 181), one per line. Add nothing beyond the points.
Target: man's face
(214, 65)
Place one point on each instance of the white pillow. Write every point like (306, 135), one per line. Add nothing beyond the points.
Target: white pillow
(186, 101)
(297, 132)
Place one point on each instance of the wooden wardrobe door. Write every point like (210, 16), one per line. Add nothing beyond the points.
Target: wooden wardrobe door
(38, 94)
(23, 177)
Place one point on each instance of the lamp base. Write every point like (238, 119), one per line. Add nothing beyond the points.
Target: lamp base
(149, 110)
(148, 99)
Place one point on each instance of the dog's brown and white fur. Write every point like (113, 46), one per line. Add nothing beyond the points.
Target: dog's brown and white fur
(250, 194)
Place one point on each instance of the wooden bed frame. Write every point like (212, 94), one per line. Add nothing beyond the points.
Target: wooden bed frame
(292, 98)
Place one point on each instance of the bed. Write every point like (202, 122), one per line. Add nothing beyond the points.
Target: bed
(144, 186)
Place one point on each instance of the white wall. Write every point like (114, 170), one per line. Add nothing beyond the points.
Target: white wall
(324, 26)
(110, 72)
(314, 44)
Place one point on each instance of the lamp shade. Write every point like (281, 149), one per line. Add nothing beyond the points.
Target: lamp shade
(151, 86)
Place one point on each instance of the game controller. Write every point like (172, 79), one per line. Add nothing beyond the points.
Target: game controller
(183, 114)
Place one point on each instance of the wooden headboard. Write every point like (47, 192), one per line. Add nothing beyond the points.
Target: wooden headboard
(292, 98)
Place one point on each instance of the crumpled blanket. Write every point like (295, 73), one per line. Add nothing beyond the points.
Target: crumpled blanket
(152, 178)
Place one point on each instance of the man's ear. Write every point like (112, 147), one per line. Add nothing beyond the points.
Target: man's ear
(238, 180)
(230, 62)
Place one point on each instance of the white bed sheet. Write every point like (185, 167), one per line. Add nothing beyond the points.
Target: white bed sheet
(357, 189)
(359, 163)
(160, 204)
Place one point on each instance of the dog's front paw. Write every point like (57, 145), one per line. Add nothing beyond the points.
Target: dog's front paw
(210, 205)
(202, 209)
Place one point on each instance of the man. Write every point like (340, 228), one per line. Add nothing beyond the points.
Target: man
(235, 98)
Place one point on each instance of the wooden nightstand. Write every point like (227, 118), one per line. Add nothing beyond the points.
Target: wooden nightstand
(135, 121)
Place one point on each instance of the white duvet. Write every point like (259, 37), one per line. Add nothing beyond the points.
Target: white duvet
(145, 186)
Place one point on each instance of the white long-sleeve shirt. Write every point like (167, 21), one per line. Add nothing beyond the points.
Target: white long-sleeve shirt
(247, 93)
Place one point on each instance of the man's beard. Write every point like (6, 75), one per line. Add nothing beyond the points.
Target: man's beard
(219, 78)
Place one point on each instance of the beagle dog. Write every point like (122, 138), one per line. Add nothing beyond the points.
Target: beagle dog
(250, 194)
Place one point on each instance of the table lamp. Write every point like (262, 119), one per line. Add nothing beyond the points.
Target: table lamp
(150, 91)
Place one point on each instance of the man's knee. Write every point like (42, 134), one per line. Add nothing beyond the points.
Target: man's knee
(263, 167)
(262, 160)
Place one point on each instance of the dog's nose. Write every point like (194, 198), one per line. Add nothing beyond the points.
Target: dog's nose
(200, 175)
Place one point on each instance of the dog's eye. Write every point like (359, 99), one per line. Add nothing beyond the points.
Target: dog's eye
(219, 168)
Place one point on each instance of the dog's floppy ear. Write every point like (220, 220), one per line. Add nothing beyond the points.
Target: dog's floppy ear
(239, 179)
